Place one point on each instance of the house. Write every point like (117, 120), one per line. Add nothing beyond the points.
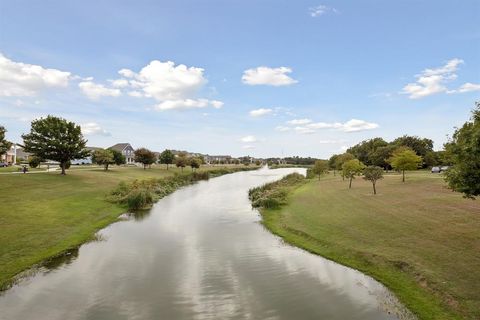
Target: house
(223, 159)
(127, 150)
(14, 154)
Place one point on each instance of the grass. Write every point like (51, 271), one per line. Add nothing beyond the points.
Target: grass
(45, 214)
(418, 238)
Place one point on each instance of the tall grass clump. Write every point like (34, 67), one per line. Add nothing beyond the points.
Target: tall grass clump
(274, 195)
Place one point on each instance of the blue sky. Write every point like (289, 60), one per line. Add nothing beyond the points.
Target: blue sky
(260, 78)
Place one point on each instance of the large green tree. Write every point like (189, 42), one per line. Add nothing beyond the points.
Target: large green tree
(118, 157)
(145, 157)
(320, 168)
(364, 150)
(166, 157)
(404, 159)
(421, 146)
(464, 151)
(4, 144)
(103, 158)
(56, 139)
(373, 174)
(352, 168)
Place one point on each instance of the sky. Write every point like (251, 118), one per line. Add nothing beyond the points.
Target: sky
(253, 77)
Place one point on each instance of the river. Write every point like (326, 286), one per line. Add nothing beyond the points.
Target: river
(200, 253)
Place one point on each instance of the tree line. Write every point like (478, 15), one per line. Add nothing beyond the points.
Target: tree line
(371, 157)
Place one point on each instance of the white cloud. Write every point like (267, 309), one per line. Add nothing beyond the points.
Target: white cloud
(188, 104)
(173, 86)
(260, 112)
(248, 146)
(306, 126)
(282, 128)
(19, 79)
(467, 87)
(249, 139)
(119, 83)
(268, 76)
(299, 121)
(320, 10)
(92, 128)
(432, 81)
(304, 130)
(355, 125)
(95, 91)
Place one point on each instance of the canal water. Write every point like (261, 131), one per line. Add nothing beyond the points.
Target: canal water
(200, 253)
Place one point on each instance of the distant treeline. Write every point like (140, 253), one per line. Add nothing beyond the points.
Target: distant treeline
(377, 152)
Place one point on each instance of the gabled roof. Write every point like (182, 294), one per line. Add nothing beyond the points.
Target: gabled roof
(120, 146)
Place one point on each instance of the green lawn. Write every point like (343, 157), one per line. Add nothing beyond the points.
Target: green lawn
(419, 238)
(44, 214)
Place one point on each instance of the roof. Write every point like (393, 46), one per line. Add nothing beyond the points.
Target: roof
(120, 146)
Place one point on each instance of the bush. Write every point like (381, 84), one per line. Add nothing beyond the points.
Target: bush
(139, 198)
(274, 195)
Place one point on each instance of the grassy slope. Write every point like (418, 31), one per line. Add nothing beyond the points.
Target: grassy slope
(418, 238)
(43, 214)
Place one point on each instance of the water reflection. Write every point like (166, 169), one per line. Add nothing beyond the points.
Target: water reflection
(200, 254)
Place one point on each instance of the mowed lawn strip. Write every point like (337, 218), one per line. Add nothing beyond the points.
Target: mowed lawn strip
(44, 214)
(419, 238)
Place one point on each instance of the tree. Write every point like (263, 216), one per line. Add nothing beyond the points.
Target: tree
(118, 157)
(166, 157)
(421, 146)
(380, 156)
(55, 139)
(340, 160)
(320, 168)
(4, 144)
(464, 152)
(373, 173)
(331, 163)
(103, 158)
(145, 157)
(352, 168)
(363, 150)
(34, 161)
(403, 159)
(194, 163)
(181, 161)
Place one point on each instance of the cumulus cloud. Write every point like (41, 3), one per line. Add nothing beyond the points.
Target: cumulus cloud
(321, 10)
(299, 121)
(433, 81)
(93, 128)
(249, 139)
(188, 104)
(248, 146)
(268, 76)
(19, 79)
(260, 112)
(95, 91)
(173, 86)
(306, 126)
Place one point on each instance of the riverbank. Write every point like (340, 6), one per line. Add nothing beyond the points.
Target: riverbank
(45, 214)
(420, 239)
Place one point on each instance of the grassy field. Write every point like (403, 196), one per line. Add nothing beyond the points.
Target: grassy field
(419, 238)
(44, 214)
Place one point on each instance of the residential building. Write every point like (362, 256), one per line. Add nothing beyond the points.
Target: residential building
(127, 150)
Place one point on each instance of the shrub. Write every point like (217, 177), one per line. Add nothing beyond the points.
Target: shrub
(139, 198)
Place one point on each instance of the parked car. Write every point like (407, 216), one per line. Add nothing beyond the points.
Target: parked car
(436, 170)
(444, 168)
(3, 164)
